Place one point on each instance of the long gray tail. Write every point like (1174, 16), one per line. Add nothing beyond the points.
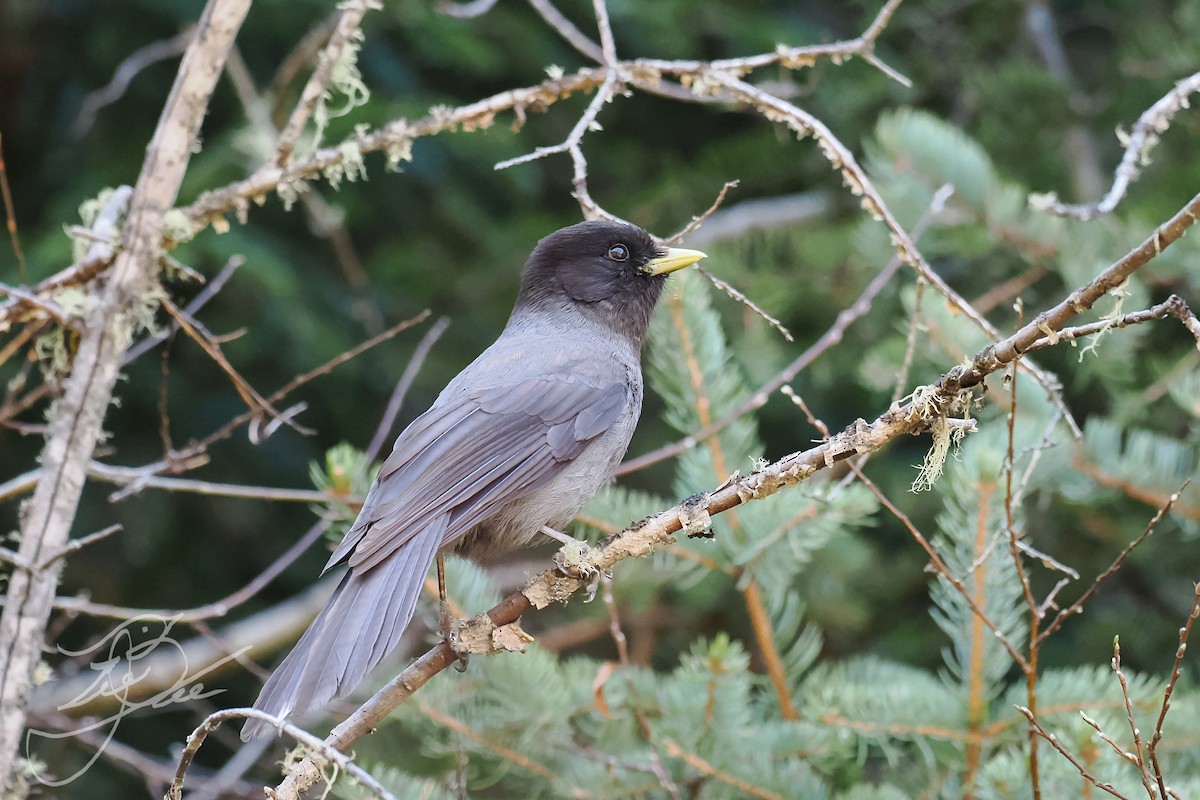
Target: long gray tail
(361, 623)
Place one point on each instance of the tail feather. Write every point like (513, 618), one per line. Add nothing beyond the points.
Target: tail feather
(357, 628)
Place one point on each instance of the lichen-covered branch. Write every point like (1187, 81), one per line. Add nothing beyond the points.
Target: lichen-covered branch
(76, 426)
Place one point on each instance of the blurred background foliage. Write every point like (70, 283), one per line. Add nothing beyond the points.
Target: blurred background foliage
(1007, 98)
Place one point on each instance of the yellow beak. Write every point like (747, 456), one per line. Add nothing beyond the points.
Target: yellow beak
(676, 258)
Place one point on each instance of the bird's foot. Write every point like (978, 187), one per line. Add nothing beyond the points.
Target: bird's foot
(594, 584)
(448, 626)
(572, 559)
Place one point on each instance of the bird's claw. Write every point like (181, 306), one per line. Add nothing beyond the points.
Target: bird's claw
(448, 625)
(594, 584)
(572, 561)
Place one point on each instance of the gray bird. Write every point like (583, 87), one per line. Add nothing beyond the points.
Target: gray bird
(520, 439)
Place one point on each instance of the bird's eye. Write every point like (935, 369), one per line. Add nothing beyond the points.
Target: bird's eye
(618, 252)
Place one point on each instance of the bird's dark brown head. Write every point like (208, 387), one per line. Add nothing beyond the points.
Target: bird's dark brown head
(612, 272)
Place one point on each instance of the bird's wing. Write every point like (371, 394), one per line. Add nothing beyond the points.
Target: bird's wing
(476, 451)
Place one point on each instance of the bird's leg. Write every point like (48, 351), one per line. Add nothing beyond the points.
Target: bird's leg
(572, 558)
(445, 618)
(565, 538)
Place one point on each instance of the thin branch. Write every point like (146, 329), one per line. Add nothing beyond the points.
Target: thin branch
(805, 124)
(326, 753)
(608, 45)
(587, 121)
(1065, 753)
(210, 290)
(217, 608)
(1173, 306)
(698, 221)
(1077, 606)
(1138, 144)
(468, 10)
(75, 545)
(943, 569)
(743, 787)
(133, 65)
(748, 303)
(1138, 757)
(257, 404)
(10, 216)
(345, 31)
(1176, 672)
(396, 401)
(567, 29)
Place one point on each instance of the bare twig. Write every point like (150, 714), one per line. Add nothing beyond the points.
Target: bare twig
(217, 608)
(1065, 753)
(696, 222)
(608, 45)
(1138, 144)
(1077, 606)
(130, 68)
(257, 404)
(748, 303)
(468, 10)
(321, 750)
(1176, 672)
(75, 545)
(10, 216)
(396, 401)
(190, 310)
(805, 124)
(572, 146)
(1138, 756)
(565, 28)
(1173, 306)
(743, 787)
